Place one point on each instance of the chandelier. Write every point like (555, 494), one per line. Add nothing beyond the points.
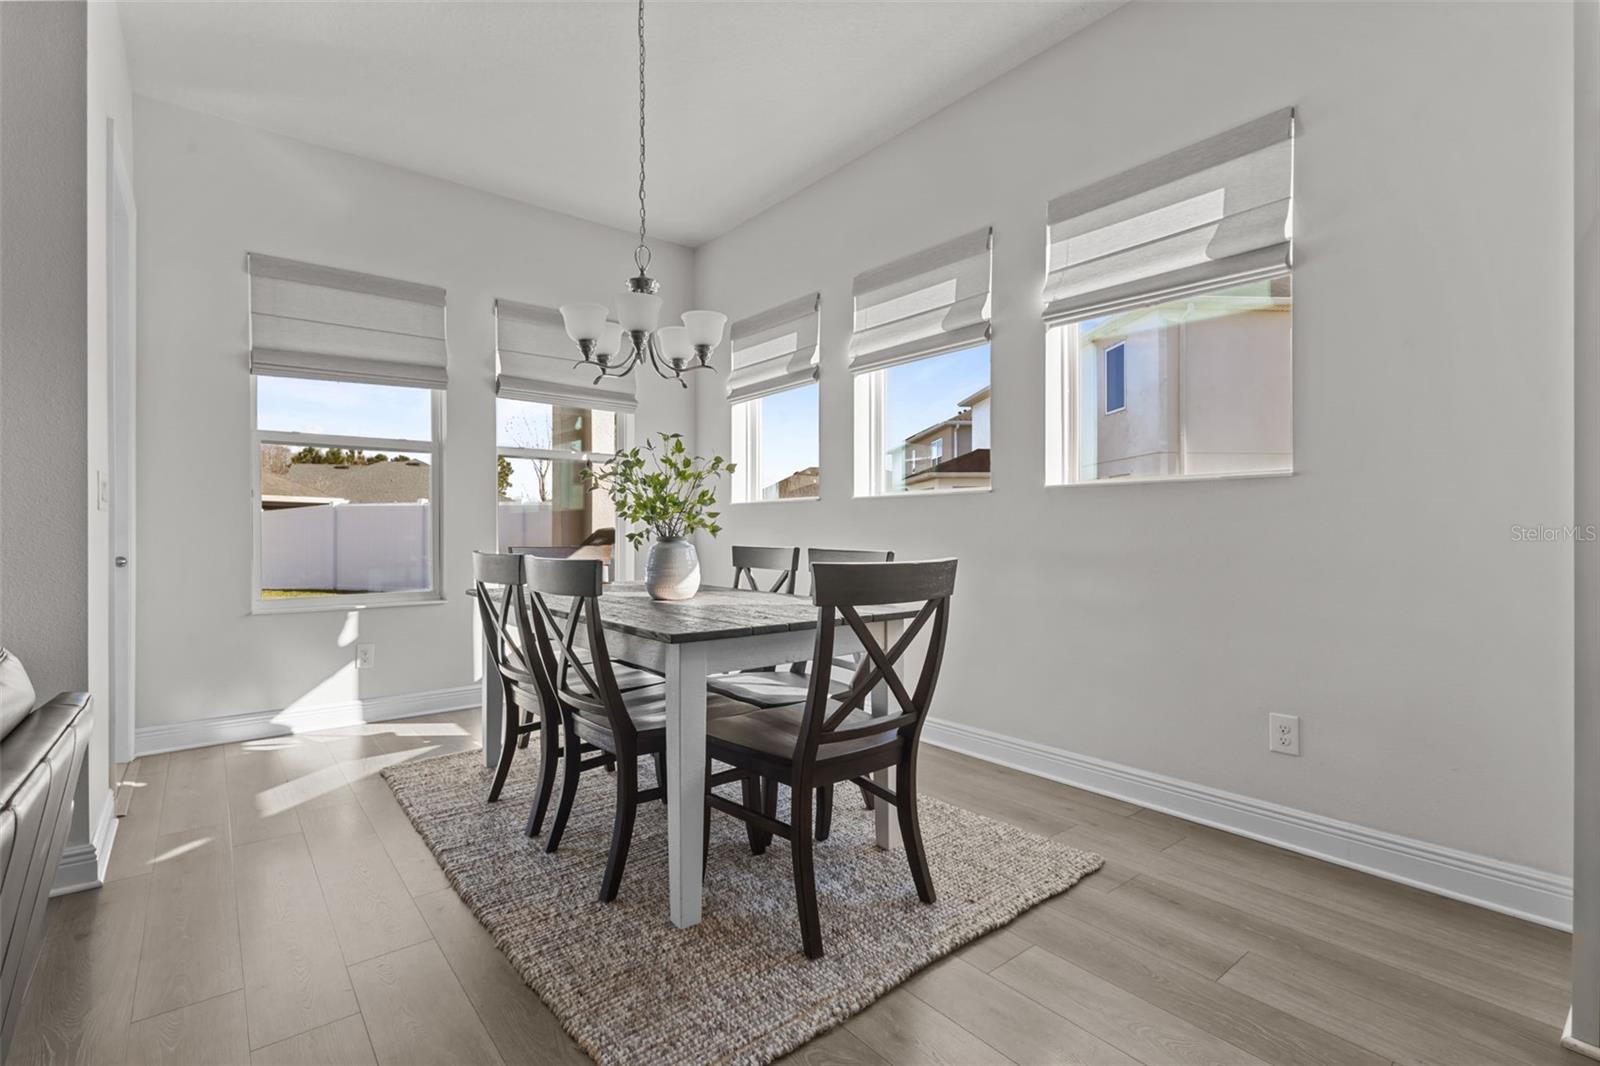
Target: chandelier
(671, 350)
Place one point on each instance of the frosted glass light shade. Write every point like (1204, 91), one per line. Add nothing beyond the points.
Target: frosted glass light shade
(610, 340)
(675, 342)
(638, 311)
(583, 321)
(705, 327)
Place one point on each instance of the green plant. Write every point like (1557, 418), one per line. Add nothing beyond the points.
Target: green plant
(664, 490)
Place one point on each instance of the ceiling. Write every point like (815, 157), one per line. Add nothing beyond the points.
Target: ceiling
(748, 101)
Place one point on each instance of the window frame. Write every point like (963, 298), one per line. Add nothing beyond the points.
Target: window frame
(871, 418)
(744, 425)
(622, 551)
(434, 449)
(1062, 353)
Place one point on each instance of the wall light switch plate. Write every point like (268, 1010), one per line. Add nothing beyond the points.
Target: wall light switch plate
(1283, 733)
(366, 654)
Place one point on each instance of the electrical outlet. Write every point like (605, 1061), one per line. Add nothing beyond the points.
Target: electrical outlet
(366, 654)
(1283, 733)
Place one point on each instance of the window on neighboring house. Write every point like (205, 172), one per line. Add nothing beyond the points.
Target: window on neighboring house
(544, 449)
(348, 371)
(553, 421)
(1114, 378)
(920, 357)
(1169, 315)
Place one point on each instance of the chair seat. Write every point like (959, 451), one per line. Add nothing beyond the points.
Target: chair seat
(648, 709)
(774, 688)
(772, 733)
(629, 677)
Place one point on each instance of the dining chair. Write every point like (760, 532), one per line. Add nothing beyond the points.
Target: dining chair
(829, 739)
(596, 714)
(784, 561)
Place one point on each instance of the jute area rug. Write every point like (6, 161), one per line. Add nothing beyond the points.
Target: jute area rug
(632, 989)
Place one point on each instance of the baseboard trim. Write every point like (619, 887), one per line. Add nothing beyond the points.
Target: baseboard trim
(83, 866)
(1521, 891)
(155, 739)
(1572, 1043)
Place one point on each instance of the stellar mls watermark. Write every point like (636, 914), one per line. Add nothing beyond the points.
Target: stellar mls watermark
(1542, 534)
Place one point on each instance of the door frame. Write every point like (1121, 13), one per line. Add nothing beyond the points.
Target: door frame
(121, 442)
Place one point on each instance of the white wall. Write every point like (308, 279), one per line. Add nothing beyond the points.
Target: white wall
(208, 192)
(1379, 592)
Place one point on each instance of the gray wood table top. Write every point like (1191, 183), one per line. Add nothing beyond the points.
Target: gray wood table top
(715, 613)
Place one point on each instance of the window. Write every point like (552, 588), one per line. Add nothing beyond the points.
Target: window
(543, 450)
(1114, 378)
(775, 443)
(920, 357)
(927, 423)
(348, 372)
(347, 479)
(1168, 314)
(1199, 386)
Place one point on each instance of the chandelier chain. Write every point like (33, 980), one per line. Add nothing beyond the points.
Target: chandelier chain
(642, 253)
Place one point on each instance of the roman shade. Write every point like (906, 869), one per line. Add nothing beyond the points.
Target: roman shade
(309, 321)
(536, 360)
(774, 350)
(925, 304)
(1214, 212)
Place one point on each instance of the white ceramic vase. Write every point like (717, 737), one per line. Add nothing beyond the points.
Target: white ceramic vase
(672, 569)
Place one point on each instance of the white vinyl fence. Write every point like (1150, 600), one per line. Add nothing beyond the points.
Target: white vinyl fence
(372, 547)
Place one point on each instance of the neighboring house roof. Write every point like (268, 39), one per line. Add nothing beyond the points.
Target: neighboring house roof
(938, 428)
(389, 482)
(975, 399)
(974, 462)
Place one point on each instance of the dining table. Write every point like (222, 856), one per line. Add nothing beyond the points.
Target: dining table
(718, 630)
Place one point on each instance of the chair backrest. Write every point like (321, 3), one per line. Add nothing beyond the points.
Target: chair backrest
(786, 561)
(503, 606)
(847, 555)
(561, 551)
(585, 682)
(838, 589)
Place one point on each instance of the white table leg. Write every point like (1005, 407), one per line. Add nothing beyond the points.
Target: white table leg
(686, 777)
(494, 713)
(887, 823)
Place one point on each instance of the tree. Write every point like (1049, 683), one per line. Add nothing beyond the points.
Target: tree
(275, 459)
(525, 432)
(504, 476)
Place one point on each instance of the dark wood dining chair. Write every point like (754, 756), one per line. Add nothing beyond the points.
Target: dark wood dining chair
(596, 714)
(828, 739)
(785, 562)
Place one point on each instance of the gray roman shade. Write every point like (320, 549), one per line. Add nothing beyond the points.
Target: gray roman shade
(925, 304)
(1214, 212)
(309, 321)
(774, 350)
(536, 360)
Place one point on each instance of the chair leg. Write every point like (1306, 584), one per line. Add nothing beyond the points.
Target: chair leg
(911, 829)
(867, 799)
(571, 745)
(661, 775)
(549, 755)
(824, 811)
(805, 877)
(769, 806)
(508, 745)
(752, 799)
(621, 828)
(522, 741)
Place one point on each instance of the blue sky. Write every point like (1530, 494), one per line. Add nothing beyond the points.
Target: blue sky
(301, 406)
(925, 392)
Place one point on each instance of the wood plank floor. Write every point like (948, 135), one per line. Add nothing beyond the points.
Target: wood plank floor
(268, 902)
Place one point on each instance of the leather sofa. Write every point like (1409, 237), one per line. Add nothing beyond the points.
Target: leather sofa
(41, 753)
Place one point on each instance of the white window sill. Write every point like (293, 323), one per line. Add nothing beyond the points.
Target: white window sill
(787, 499)
(914, 493)
(1253, 475)
(323, 604)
